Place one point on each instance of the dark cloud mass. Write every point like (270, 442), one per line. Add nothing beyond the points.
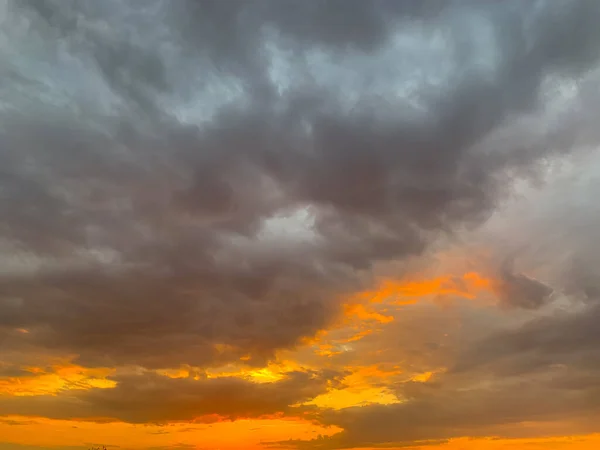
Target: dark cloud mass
(152, 398)
(519, 290)
(180, 178)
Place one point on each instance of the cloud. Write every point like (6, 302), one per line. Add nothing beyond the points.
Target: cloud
(535, 362)
(542, 373)
(152, 398)
(437, 412)
(199, 182)
(564, 339)
(519, 290)
(498, 372)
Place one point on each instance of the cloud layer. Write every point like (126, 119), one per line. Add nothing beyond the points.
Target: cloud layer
(199, 183)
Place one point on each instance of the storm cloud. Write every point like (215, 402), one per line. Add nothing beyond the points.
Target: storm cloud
(147, 155)
(195, 182)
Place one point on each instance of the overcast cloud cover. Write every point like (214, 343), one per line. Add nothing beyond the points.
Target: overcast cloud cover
(186, 183)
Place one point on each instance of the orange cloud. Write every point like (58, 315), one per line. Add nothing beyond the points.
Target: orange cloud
(364, 385)
(54, 379)
(407, 292)
(363, 313)
(368, 312)
(422, 377)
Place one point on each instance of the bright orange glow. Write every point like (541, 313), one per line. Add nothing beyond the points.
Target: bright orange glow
(362, 313)
(422, 377)
(272, 372)
(175, 373)
(327, 350)
(375, 372)
(346, 398)
(586, 442)
(366, 312)
(407, 292)
(223, 435)
(57, 378)
(361, 387)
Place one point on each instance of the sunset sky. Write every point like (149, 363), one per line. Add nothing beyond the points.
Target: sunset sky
(300, 224)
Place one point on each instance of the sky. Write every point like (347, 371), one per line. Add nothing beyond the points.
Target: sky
(299, 224)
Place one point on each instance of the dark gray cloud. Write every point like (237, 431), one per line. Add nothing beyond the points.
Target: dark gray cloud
(176, 177)
(152, 398)
(519, 290)
(567, 338)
